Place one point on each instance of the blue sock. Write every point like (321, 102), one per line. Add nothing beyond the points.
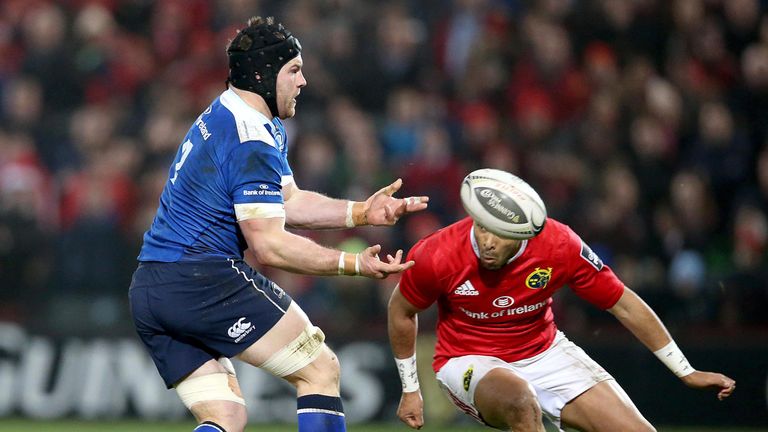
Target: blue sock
(209, 426)
(319, 413)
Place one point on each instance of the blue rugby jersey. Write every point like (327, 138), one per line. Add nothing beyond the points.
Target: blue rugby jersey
(231, 155)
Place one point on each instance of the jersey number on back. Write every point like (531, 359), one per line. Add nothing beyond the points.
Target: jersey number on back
(185, 149)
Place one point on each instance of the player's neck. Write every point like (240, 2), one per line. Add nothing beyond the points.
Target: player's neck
(254, 101)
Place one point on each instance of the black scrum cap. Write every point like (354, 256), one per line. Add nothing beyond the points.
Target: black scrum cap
(257, 54)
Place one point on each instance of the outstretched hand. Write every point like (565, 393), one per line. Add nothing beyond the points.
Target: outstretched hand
(371, 266)
(711, 380)
(382, 208)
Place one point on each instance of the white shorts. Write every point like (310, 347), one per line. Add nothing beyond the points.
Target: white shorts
(557, 375)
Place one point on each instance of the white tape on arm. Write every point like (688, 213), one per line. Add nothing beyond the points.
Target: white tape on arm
(408, 375)
(341, 263)
(674, 359)
(350, 222)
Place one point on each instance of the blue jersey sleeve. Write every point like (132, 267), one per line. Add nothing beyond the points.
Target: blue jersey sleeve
(254, 171)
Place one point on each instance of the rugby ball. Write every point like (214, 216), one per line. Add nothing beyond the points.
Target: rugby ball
(503, 204)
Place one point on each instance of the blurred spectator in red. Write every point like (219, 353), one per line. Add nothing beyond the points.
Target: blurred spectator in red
(436, 172)
(546, 78)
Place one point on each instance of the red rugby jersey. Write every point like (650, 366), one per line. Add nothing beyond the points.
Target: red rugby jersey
(505, 313)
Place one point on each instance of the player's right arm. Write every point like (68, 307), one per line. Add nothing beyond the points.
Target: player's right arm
(253, 172)
(418, 289)
(272, 245)
(403, 326)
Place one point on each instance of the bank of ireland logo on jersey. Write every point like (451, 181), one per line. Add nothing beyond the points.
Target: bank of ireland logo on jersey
(503, 301)
(539, 278)
(240, 329)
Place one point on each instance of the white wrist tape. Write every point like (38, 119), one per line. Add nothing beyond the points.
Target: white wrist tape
(350, 223)
(341, 263)
(674, 359)
(408, 375)
(357, 264)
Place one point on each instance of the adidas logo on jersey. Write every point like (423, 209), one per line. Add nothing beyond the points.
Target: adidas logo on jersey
(466, 289)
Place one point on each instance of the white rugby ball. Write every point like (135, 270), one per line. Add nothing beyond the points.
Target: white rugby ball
(503, 204)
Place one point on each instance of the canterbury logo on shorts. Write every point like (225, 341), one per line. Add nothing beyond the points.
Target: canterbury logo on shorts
(239, 329)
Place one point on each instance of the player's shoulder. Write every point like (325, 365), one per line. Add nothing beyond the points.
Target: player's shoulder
(556, 237)
(250, 124)
(555, 229)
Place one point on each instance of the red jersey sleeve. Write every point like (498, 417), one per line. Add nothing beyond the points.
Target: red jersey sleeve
(419, 284)
(591, 280)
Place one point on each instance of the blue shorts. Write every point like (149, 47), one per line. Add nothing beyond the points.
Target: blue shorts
(187, 313)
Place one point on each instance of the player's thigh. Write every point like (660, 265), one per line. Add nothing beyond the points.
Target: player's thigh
(460, 377)
(286, 330)
(605, 407)
(505, 399)
(294, 349)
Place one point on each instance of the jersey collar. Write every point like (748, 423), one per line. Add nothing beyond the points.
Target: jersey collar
(242, 106)
(473, 240)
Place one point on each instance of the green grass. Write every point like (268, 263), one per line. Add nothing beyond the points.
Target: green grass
(15, 425)
(131, 426)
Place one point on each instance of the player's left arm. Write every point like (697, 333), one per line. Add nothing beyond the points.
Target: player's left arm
(643, 322)
(311, 210)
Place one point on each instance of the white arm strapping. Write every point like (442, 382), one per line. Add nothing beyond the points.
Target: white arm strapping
(350, 223)
(341, 263)
(408, 375)
(674, 359)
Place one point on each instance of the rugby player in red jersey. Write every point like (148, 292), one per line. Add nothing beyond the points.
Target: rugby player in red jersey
(499, 355)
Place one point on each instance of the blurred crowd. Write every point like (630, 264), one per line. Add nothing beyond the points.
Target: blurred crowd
(642, 124)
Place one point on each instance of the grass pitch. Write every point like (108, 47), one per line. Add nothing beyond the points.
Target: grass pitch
(17, 425)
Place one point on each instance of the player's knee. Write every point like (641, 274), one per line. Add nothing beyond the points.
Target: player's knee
(325, 370)
(521, 408)
(322, 375)
(507, 401)
(215, 397)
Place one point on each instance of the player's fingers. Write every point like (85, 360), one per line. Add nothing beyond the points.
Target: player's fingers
(418, 201)
(373, 250)
(397, 258)
(386, 269)
(394, 187)
(414, 204)
(389, 214)
(413, 422)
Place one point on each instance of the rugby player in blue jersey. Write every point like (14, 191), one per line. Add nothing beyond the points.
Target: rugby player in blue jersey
(229, 195)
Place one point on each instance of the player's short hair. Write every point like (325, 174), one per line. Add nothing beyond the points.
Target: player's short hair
(256, 55)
